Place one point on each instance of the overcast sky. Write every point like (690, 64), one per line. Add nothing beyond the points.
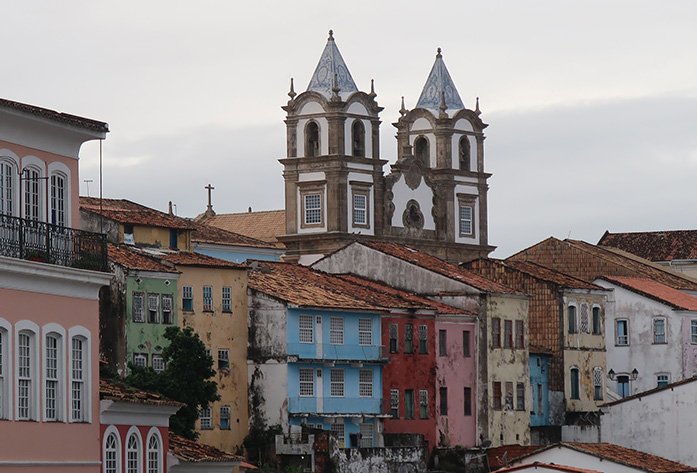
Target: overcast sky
(592, 105)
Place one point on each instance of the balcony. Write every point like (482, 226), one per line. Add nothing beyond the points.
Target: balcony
(329, 352)
(47, 243)
(330, 404)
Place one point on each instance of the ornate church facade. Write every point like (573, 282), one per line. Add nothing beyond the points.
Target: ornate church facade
(434, 197)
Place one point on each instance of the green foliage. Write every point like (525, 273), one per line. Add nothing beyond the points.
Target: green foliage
(186, 378)
(260, 441)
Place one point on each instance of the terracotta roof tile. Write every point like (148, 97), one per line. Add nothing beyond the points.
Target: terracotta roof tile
(189, 258)
(550, 275)
(629, 457)
(265, 225)
(59, 117)
(205, 233)
(502, 456)
(439, 266)
(656, 291)
(194, 452)
(114, 391)
(549, 466)
(133, 259)
(127, 212)
(655, 246)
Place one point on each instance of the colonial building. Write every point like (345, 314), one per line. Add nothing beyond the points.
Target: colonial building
(435, 197)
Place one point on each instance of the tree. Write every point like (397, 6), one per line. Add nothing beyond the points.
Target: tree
(186, 378)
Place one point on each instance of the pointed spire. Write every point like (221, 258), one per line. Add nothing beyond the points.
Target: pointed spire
(292, 93)
(331, 67)
(403, 110)
(438, 85)
(372, 89)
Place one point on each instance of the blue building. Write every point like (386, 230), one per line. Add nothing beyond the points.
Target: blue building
(539, 385)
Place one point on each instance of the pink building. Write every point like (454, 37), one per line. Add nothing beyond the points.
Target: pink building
(50, 277)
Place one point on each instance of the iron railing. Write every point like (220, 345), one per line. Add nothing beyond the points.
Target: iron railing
(47, 243)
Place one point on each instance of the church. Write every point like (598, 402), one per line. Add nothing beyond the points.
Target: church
(434, 197)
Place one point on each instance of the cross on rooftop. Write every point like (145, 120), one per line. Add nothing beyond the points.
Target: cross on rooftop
(210, 188)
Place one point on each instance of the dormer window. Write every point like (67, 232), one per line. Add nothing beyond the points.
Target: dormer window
(464, 153)
(312, 139)
(421, 151)
(358, 139)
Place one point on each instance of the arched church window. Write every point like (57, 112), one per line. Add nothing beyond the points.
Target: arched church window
(312, 139)
(358, 139)
(421, 150)
(464, 153)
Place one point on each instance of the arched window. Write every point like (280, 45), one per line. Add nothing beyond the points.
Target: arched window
(154, 454)
(111, 452)
(58, 200)
(358, 139)
(7, 187)
(31, 177)
(421, 151)
(133, 457)
(464, 153)
(574, 384)
(312, 139)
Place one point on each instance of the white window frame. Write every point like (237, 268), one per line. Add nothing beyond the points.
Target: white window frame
(5, 369)
(33, 189)
(336, 330)
(337, 382)
(158, 363)
(63, 216)
(53, 384)
(140, 359)
(339, 429)
(223, 358)
(394, 403)
(306, 329)
(227, 299)
(167, 309)
(153, 308)
(138, 307)
(206, 418)
(155, 453)
(624, 341)
(30, 375)
(134, 433)
(367, 432)
(306, 382)
(660, 337)
(225, 414)
(111, 432)
(187, 295)
(662, 377)
(466, 220)
(365, 332)
(693, 331)
(365, 383)
(9, 176)
(360, 209)
(80, 410)
(312, 209)
(208, 298)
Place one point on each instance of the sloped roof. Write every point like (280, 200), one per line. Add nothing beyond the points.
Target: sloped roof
(133, 259)
(500, 457)
(264, 225)
(111, 390)
(439, 81)
(666, 387)
(655, 246)
(58, 117)
(550, 275)
(189, 258)
(437, 265)
(548, 466)
(194, 452)
(206, 233)
(331, 64)
(130, 213)
(656, 291)
(630, 457)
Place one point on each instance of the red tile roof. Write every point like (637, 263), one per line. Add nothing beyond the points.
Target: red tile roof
(502, 456)
(655, 246)
(131, 258)
(130, 213)
(549, 466)
(265, 225)
(59, 117)
(194, 452)
(111, 390)
(656, 291)
(550, 275)
(437, 265)
(189, 258)
(205, 233)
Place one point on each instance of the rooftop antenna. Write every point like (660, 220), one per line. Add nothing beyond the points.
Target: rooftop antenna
(87, 182)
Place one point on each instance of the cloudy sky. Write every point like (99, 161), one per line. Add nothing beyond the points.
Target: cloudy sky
(592, 105)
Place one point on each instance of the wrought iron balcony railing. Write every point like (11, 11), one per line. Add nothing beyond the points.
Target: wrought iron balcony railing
(40, 241)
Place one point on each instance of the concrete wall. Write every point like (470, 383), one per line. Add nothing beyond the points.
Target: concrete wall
(380, 460)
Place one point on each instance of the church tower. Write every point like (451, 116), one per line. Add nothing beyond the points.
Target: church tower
(436, 193)
(333, 171)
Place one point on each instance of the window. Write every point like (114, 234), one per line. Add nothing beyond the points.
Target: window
(111, 454)
(154, 454)
(58, 198)
(167, 313)
(623, 385)
(597, 321)
(336, 330)
(662, 379)
(464, 153)
(693, 330)
(339, 431)
(312, 139)
(207, 299)
(32, 193)
(423, 404)
(421, 151)
(443, 401)
(408, 335)
(423, 339)
(158, 363)
(495, 332)
(336, 382)
(360, 209)
(223, 359)
(312, 209)
(622, 332)
(519, 334)
(540, 400)
(6, 188)
(306, 329)
(358, 139)
(508, 334)
(585, 326)
(598, 383)
(571, 313)
(188, 298)
(140, 359)
(466, 220)
(153, 308)
(4, 368)
(408, 403)
(574, 380)
(26, 380)
(394, 403)
(365, 383)
(442, 343)
(206, 423)
(133, 454)
(466, 344)
(224, 417)
(52, 377)
(659, 330)
(468, 401)
(394, 328)
(227, 299)
(497, 395)
(509, 395)
(307, 381)
(366, 431)
(138, 307)
(520, 396)
(78, 380)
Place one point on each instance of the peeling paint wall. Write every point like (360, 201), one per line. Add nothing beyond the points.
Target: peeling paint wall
(381, 460)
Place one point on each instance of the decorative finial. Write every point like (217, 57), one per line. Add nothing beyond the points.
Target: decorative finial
(336, 87)
(372, 88)
(331, 35)
(439, 54)
(292, 93)
(476, 109)
(403, 110)
(442, 106)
